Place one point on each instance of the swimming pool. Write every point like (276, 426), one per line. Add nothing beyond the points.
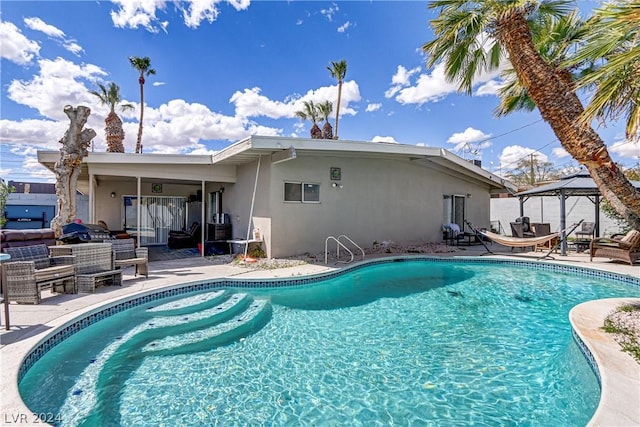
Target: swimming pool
(418, 341)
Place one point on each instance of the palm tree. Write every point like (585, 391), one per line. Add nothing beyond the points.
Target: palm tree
(143, 65)
(325, 109)
(311, 112)
(114, 133)
(338, 70)
(613, 34)
(461, 42)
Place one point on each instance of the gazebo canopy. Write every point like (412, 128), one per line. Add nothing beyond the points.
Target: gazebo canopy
(577, 184)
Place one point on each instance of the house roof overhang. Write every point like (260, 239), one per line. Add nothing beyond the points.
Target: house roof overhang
(161, 168)
(221, 166)
(250, 149)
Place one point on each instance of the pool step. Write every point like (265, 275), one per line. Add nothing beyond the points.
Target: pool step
(189, 304)
(166, 325)
(237, 316)
(253, 318)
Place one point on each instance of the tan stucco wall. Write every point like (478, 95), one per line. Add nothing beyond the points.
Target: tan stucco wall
(111, 210)
(236, 201)
(380, 200)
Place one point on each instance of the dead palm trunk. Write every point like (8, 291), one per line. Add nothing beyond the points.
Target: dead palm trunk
(561, 108)
(75, 142)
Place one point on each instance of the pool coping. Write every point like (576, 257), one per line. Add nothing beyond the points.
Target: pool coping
(15, 411)
(619, 372)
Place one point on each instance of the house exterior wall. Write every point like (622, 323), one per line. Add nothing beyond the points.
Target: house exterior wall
(111, 209)
(380, 200)
(237, 197)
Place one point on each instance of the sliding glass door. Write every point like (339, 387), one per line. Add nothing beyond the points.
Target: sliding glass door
(158, 215)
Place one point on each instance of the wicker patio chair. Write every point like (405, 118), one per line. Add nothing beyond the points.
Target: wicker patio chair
(126, 254)
(618, 248)
(32, 269)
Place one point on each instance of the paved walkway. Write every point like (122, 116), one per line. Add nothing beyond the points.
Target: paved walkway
(31, 323)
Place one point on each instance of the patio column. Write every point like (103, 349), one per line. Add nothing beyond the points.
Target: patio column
(563, 223)
(521, 206)
(92, 199)
(139, 209)
(202, 217)
(597, 213)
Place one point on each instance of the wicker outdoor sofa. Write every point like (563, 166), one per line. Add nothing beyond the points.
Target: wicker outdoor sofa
(617, 247)
(32, 269)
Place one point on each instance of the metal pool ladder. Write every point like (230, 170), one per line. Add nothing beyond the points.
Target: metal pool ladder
(339, 244)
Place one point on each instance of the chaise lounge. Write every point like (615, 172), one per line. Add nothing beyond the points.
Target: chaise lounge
(626, 249)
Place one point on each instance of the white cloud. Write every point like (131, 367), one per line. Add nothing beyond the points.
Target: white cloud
(158, 84)
(38, 24)
(15, 46)
(73, 47)
(428, 88)
(251, 103)
(626, 149)
(490, 88)
(400, 79)
(434, 85)
(513, 154)
(388, 139)
(463, 140)
(138, 13)
(57, 84)
(344, 27)
(239, 4)
(560, 152)
(328, 13)
(199, 10)
(373, 107)
(176, 126)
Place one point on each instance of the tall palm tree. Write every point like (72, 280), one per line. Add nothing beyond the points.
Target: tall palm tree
(114, 133)
(338, 71)
(143, 65)
(613, 34)
(325, 109)
(310, 112)
(473, 36)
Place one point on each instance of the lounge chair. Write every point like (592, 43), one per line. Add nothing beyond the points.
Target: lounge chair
(184, 239)
(617, 247)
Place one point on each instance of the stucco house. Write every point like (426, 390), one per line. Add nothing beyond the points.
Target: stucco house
(296, 191)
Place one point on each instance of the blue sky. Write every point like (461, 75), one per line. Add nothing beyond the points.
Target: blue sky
(227, 70)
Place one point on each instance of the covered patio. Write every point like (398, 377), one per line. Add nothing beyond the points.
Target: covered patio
(579, 184)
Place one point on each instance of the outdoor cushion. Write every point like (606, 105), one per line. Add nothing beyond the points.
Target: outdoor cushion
(631, 239)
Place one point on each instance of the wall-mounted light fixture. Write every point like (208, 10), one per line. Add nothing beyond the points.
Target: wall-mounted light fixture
(336, 185)
(113, 194)
(221, 190)
(468, 195)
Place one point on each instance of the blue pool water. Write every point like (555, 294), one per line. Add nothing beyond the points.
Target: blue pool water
(398, 343)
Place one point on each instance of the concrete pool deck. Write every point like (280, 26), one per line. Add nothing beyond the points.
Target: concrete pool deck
(620, 373)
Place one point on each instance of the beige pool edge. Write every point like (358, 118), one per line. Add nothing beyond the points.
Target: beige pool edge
(619, 372)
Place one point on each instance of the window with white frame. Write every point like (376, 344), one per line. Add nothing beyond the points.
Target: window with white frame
(301, 192)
